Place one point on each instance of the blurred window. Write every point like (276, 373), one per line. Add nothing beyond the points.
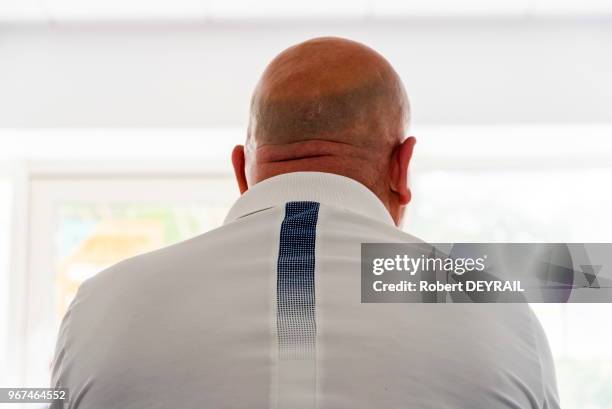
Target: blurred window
(548, 205)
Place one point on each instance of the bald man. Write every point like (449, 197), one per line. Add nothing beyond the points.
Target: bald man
(265, 311)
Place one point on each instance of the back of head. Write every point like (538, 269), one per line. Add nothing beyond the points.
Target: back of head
(328, 89)
(329, 105)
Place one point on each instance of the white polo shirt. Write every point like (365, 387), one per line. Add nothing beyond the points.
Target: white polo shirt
(265, 312)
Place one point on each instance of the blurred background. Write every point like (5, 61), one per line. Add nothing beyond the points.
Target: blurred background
(117, 118)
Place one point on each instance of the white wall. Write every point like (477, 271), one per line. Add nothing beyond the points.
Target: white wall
(456, 71)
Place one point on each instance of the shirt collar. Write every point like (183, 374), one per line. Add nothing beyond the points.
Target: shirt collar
(326, 188)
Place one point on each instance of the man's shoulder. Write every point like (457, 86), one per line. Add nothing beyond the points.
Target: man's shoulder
(242, 238)
(362, 228)
(204, 253)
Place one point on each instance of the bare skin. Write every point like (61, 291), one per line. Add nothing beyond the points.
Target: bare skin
(330, 105)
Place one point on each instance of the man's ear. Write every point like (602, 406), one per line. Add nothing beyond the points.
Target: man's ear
(399, 170)
(239, 162)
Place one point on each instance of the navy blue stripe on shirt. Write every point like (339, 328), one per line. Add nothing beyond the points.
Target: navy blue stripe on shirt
(295, 283)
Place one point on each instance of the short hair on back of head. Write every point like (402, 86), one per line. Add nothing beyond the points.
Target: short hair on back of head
(366, 108)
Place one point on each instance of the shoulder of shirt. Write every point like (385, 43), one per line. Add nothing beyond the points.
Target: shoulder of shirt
(168, 257)
(371, 231)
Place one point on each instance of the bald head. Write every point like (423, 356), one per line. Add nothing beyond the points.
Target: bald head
(328, 89)
(330, 105)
